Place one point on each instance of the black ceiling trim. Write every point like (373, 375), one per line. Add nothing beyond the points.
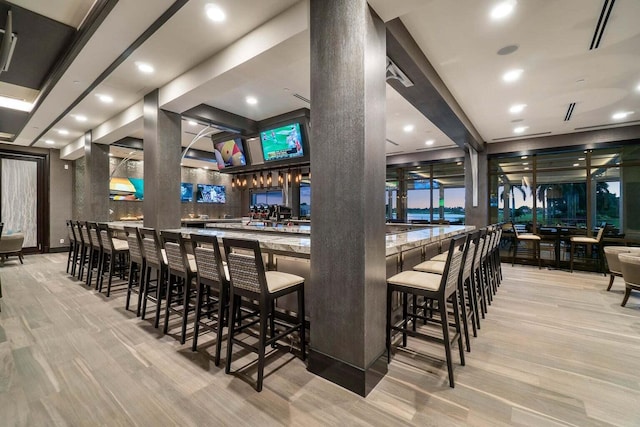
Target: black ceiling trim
(602, 23)
(157, 24)
(567, 116)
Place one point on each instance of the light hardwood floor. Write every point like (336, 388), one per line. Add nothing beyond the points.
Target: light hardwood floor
(555, 349)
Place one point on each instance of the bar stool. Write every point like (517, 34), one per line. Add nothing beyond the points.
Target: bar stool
(250, 280)
(440, 289)
(84, 249)
(212, 277)
(116, 251)
(182, 273)
(464, 292)
(78, 246)
(588, 241)
(156, 260)
(534, 239)
(137, 266)
(73, 246)
(95, 254)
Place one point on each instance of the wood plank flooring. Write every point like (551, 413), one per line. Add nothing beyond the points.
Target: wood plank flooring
(555, 349)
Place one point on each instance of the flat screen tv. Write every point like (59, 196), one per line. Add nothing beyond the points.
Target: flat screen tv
(281, 143)
(207, 193)
(186, 192)
(229, 153)
(126, 188)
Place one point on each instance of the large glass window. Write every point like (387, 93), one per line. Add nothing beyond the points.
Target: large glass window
(562, 189)
(305, 199)
(391, 200)
(266, 197)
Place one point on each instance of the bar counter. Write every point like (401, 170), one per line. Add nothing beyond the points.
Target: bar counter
(294, 241)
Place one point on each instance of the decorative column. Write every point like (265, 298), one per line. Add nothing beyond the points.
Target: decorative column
(347, 313)
(96, 181)
(162, 153)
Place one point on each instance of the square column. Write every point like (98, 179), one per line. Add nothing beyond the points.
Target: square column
(347, 314)
(162, 154)
(96, 181)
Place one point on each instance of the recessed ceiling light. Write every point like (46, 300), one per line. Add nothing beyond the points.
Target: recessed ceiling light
(503, 9)
(429, 142)
(621, 115)
(517, 108)
(576, 164)
(520, 129)
(143, 67)
(581, 158)
(215, 13)
(63, 132)
(192, 122)
(110, 154)
(512, 75)
(408, 128)
(523, 157)
(525, 163)
(206, 167)
(104, 98)
(49, 141)
(638, 88)
(459, 163)
(251, 100)
(527, 168)
(15, 104)
(80, 118)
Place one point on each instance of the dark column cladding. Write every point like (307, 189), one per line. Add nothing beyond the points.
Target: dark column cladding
(96, 181)
(348, 59)
(162, 151)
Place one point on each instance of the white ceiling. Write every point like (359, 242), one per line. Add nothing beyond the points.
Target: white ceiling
(458, 38)
(553, 39)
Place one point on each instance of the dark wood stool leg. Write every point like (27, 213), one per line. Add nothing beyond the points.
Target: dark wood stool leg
(389, 297)
(447, 341)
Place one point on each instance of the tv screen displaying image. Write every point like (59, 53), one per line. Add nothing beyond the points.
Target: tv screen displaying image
(211, 194)
(126, 189)
(229, 153)
(282, 143)
(186, 192)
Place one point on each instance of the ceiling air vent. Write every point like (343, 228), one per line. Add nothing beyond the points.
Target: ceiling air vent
(567, 116)
(504, 138)
(602, 24)
(301, 98)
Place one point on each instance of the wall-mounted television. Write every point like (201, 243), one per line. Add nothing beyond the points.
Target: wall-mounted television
(229, 153)
(281, 143)
(186, 192)
(207, 193)
(126, 188)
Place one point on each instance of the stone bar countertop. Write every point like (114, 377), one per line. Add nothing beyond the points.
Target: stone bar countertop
(263, 226)
(301, 245)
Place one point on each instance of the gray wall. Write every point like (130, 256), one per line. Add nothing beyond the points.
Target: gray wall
(61, 176)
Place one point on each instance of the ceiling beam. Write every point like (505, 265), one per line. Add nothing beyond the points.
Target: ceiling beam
(222, 119)
(429, 94)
